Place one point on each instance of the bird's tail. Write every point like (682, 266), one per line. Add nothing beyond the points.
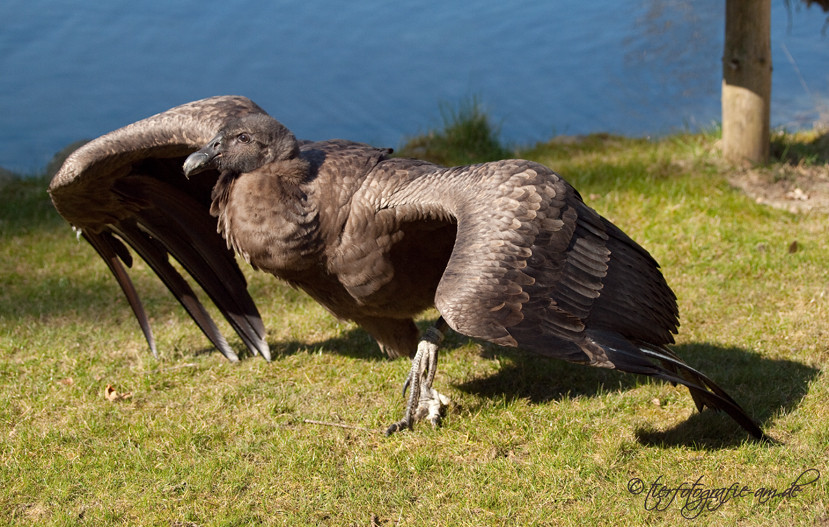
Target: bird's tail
(659, 361)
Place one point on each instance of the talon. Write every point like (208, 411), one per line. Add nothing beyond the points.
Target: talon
(407, 383)
(397, 427)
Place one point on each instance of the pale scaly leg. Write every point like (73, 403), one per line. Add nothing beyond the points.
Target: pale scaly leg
(424, 401)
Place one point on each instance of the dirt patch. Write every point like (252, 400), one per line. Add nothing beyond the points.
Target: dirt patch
(797, 180)
(798, 189)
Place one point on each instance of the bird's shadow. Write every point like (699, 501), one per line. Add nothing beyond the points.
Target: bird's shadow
(763, 387)
(354, 343)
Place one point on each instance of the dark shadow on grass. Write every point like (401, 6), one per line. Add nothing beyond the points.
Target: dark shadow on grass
(787, 149)
(540, 379)
(763, 387)
(353, 342)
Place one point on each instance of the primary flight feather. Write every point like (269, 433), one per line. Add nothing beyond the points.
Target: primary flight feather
(507, 251)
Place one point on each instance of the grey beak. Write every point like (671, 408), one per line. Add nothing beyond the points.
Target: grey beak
(202, 160)
(196, 162)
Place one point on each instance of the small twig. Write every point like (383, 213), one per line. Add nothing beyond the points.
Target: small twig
(339, 425)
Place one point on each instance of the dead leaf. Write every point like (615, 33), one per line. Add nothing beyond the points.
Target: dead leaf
(112, 394)
(793, 247)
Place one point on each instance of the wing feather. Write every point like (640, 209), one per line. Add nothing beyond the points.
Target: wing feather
(110, 249)
(156, 257)
(532, 265)
(129, 183)
(190, 236)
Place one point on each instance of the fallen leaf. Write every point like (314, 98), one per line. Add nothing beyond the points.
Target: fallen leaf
(112, 394)
(793, 247)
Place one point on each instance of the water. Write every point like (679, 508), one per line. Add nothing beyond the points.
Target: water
(377, 72)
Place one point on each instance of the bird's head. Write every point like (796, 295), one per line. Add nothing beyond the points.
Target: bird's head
(243, 145)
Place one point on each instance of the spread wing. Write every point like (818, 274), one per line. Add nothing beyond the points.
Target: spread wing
(127, 187)
(533, 266)
(531, 262)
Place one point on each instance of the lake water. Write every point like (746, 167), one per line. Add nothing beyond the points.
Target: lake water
(378, 71)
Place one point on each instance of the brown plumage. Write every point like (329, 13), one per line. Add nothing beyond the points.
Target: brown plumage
(507, 251)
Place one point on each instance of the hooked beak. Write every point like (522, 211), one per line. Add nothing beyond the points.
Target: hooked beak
(203, 159)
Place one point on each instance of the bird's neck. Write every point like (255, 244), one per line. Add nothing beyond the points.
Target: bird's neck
(268, 217)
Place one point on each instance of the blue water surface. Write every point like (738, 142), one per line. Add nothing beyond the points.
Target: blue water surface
(377, 71)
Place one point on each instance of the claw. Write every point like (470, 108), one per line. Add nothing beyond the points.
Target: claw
(397, 427)
(407, 383)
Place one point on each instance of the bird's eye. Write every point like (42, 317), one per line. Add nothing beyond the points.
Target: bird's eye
(244, 138)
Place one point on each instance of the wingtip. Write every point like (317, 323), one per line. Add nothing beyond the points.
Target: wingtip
(230, 355)
(110, 250)
(265, 350)
(706, 393)
(659, 361)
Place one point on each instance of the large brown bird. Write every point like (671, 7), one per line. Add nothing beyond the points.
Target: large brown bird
(507, 251)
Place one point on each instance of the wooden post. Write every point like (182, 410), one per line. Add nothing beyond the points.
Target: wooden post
(746, 87)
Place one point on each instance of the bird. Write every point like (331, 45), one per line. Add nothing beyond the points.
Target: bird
(506, 251)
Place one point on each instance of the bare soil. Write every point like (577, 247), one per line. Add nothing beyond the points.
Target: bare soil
(798, 178)
(796, 188)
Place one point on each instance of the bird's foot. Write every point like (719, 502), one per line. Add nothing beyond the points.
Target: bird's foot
(425, 403)
(431, 406)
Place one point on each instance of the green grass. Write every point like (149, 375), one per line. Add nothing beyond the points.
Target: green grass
(527, 441)
(467, 136)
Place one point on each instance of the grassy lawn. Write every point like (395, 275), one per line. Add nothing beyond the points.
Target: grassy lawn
(191, 440)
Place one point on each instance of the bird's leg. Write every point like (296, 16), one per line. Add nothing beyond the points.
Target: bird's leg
(424, 401)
